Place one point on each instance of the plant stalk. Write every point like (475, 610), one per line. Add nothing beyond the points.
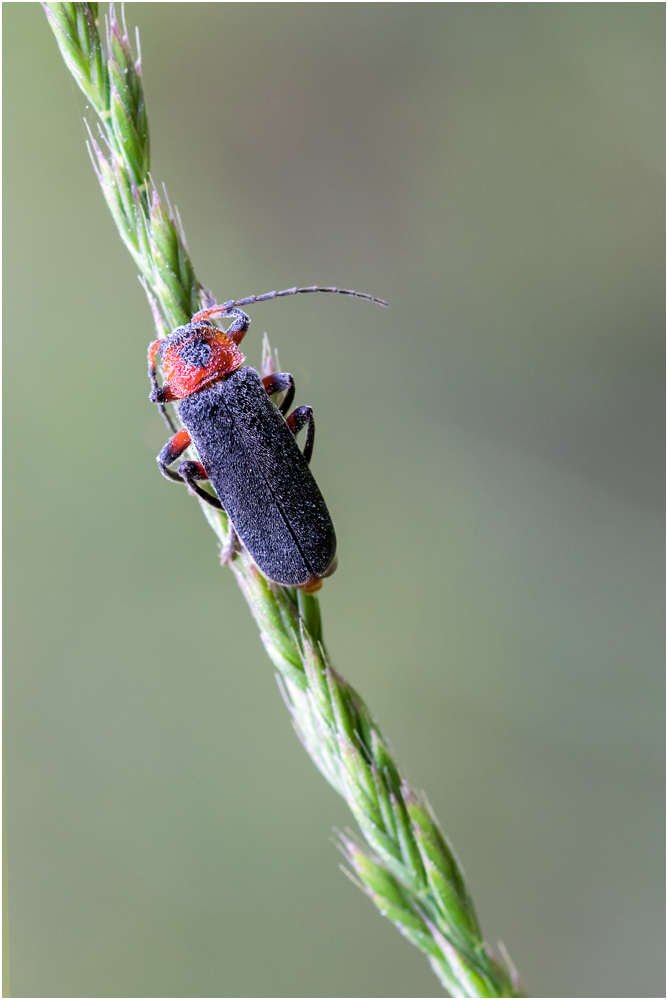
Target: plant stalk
(404, 864)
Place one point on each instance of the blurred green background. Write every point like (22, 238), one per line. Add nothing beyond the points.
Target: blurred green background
(490, 448)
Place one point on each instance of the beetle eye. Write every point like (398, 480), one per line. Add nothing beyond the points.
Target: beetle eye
(196, 352)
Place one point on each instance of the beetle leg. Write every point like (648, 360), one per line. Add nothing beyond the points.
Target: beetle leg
(237, 329)
(190, 472)
(154, 348)
(169, 454)
(281, 382)
(300, 416)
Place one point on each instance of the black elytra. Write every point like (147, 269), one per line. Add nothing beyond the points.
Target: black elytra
(261, 478)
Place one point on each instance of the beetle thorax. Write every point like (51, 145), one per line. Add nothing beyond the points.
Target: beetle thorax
(197, 355)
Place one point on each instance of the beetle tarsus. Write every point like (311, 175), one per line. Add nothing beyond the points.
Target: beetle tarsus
(190, 472)
(166, 417)
(300, 416)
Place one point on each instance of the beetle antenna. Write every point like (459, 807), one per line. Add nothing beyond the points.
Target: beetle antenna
(299, 291)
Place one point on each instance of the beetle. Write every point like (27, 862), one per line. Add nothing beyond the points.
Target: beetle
(246, 444)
